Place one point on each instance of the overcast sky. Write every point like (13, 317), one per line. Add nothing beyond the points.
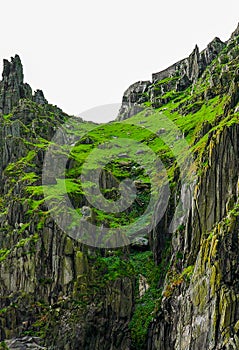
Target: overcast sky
(83, 54)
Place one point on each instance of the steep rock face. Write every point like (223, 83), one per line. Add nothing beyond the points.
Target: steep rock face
(235, 33)
(47, 279)
(203, 313)
(177, 77)
(39, 97)
(133, 97)
(12, 87)
(24, 343)
(200, 307)
(103, 325)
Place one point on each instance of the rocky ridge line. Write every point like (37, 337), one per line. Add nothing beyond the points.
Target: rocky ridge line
(13, 88)
(177, 77)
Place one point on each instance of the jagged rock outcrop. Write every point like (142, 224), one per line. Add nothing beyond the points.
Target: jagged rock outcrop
(13, 88)
(177, 77)
(235, 33)
(39, 97)
(133, 97)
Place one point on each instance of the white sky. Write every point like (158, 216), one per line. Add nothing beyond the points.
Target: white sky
(83, 54)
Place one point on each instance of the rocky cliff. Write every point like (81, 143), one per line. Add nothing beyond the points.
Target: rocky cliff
(176, 286)
(177, 77)
(51, 291)
(12, 87)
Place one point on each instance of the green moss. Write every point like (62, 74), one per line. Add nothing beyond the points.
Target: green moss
(144, 313)
(3, 311)
(24, 241)
(188, 272)
(3, 346)
(166, 81)
(4, 254)
(175, 279)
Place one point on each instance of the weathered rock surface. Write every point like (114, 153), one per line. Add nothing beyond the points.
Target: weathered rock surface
(235, 33)
(46, 278)
(177, 77)
(133, 97)
(203, 311)
(55, 288)
(13, 88)
(39, 97)
(193, 66)
(24, 343)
